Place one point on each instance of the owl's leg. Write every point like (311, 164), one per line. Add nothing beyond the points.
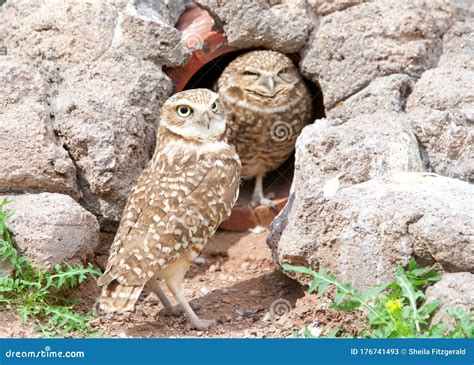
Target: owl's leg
(257, 197)
(198, 323)
(154, 287)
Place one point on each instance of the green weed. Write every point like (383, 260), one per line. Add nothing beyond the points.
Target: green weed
(398, 309)
(35, 293)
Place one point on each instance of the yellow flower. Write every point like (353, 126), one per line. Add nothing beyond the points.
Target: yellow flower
(393, 305)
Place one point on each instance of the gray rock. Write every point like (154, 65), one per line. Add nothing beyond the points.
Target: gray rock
(353, 47)
(454, 290)
(106, 116)
(325, 7)
(5, 268)
(444, 88)
(458, 45)
(58, 34)
(52, 228)
(164, 11)
(252, 24)
(330, 152)
(54, 35)
(145, 28)
(386, 93)
(449, 86)
(441, 107)
(363, 232)
(32, 158)
(465, 9)
(448, 140)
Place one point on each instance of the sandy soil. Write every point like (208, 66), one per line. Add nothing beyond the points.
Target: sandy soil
(235, 283)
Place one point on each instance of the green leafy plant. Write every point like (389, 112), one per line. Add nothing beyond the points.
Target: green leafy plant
(398, 309)
(36, 293)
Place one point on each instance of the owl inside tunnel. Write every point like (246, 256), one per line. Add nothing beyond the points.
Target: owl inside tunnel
(267, 105)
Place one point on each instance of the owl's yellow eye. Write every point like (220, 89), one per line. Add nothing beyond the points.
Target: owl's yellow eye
(184, 111)
(215, 107)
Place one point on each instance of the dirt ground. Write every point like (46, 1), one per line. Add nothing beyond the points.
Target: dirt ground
(235, 283)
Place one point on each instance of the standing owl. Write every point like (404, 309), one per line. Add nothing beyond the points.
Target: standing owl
(184, 193)
(267, 105)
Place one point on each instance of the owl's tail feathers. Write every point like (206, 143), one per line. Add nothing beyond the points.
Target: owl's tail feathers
(119, 298)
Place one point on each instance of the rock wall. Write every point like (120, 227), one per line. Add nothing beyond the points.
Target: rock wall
(396, 78)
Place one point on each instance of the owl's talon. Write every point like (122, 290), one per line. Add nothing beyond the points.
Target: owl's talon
(263, 201)
(268, 203)
(202, 324)
(258, 198)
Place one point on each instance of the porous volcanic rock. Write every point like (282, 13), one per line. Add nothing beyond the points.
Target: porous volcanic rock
(362, 232)
(454, 290)
(52, 228)
(32, 157)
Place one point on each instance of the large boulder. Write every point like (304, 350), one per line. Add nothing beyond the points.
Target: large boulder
(56, 35)
(447, 138)
(441, 107)
(384, 94)
(52, 228)
(251, 24)
(331, 151)
(449, 85)
(454, 290)
(361, 233)
(146, 29)
(351, 48)
(32, 157)
(106, 115)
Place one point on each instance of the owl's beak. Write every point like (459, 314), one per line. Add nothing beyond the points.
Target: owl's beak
(270, 83)
(205, 121)
(265, 86)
